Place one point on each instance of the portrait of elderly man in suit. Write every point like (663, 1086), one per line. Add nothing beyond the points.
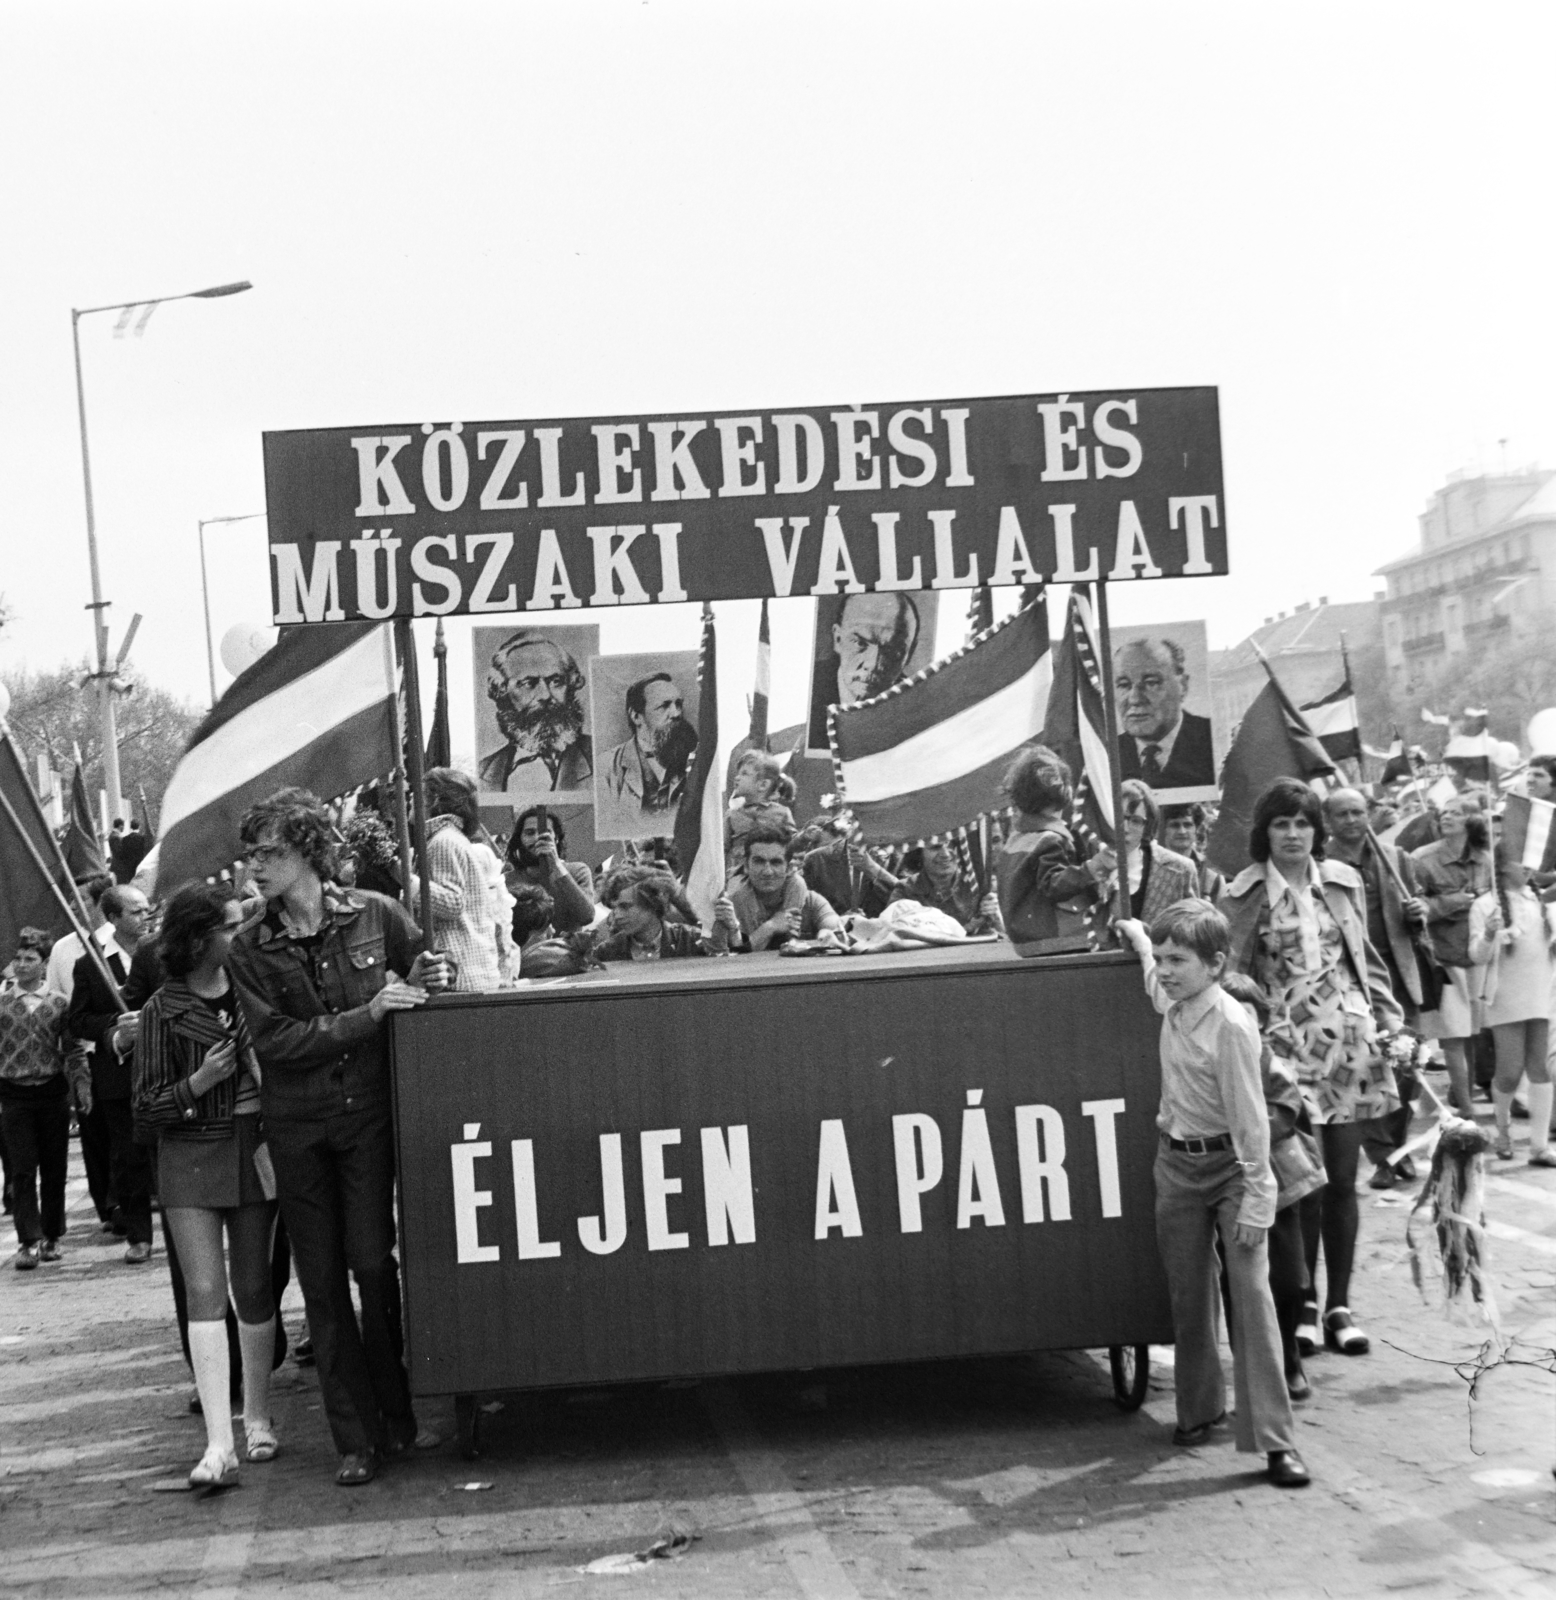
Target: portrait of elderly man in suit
(1160, 742)
(536, 689)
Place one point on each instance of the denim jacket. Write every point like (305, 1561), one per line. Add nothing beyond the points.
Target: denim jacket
(321, 1051)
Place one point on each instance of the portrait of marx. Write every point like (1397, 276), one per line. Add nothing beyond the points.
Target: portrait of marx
(535, 686)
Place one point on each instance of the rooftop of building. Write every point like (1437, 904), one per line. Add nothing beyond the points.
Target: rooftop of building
(1314, 628)
(1538, 505)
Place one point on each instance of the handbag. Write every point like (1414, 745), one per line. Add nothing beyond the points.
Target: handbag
(1298, 1168)
(1429, 974)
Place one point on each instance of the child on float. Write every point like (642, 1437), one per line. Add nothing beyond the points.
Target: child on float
(1510, 935)
(760, 796)
(1299, 1171)
(1213, 1177)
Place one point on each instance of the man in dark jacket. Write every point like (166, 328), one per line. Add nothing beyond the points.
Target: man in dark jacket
(317, 977)
(97, 1018)
(848, 877)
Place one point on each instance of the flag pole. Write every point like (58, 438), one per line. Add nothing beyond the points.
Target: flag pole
(80, 928)
(402, 824)
(1110, 724)
(416, 775)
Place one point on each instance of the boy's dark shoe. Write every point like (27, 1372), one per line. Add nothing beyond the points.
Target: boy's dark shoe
(1286, 1471)
(357, 1468)
(1190, 1437)
(49, 1250)
(1382, 1176)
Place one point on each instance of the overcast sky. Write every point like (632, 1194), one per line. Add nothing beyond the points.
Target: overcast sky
(1339, 215)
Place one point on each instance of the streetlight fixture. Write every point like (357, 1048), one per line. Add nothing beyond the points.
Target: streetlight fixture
(205, 589)
(105, 670)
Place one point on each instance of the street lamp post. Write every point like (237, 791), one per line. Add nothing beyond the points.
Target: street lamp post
(105, 672)
(205, 589)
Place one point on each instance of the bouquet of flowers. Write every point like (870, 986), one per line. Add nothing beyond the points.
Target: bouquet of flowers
(1454, 1199)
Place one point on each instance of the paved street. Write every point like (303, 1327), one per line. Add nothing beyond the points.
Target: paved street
(998, 1477)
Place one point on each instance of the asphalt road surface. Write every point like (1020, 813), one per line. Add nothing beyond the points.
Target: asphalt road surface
(1015, 1476)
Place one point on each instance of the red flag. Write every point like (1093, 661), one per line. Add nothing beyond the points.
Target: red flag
(27, 898)
(83, 854)
(1272, 741)
(439, 749)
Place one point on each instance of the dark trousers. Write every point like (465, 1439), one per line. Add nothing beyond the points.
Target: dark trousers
(336, 1182)
(93, 1128)
(1386, 1134)
(129, 1172)
(37, 1137)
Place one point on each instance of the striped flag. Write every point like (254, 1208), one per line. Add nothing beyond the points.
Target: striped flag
(980, 612)
(763, 688)
(1076, 724)
(927, 758)
(317, 711)
(1333, 718)
(699, 819)
(1473, 745)
(1526, 834)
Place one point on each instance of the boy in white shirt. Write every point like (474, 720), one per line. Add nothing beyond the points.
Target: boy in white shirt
(1213, 1175)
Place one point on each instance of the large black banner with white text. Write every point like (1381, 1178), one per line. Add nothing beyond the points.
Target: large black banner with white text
(423, 519)
(757, 1163)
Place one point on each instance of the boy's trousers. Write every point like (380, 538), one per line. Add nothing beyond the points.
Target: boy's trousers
(1195, 1194)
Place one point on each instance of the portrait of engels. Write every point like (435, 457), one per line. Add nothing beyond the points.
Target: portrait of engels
(648, 770)
(873, 638)
(536, 688)
(1161, 742)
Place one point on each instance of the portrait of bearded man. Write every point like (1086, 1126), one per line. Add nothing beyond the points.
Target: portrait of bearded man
(536, 689)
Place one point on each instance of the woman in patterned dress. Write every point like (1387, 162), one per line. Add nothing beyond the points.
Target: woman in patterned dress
(1299, 930)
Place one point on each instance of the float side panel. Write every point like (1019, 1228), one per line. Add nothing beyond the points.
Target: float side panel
(777, 1062)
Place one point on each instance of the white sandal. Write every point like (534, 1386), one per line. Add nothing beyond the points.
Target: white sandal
(216, 1469)
(260, 1440)
(1307, 1329)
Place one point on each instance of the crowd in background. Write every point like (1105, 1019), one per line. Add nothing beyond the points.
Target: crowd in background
(225, 1050)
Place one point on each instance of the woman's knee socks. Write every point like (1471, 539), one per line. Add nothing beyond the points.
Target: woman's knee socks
(208, 1357)
(257, 1342)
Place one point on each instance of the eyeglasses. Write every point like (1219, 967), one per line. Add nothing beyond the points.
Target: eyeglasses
(261, 853)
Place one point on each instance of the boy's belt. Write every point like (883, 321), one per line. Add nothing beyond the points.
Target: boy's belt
(1202, 1147)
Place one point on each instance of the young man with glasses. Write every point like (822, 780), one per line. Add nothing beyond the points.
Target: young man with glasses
(317, 976)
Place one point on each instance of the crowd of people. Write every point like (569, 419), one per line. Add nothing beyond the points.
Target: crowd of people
(226, 1051)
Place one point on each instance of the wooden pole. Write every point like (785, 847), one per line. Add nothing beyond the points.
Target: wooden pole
(414, 759)
(402, 821)
(1110, 723)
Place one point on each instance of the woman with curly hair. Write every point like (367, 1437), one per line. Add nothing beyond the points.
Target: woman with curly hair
(1299, 930)
(197, 1084)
